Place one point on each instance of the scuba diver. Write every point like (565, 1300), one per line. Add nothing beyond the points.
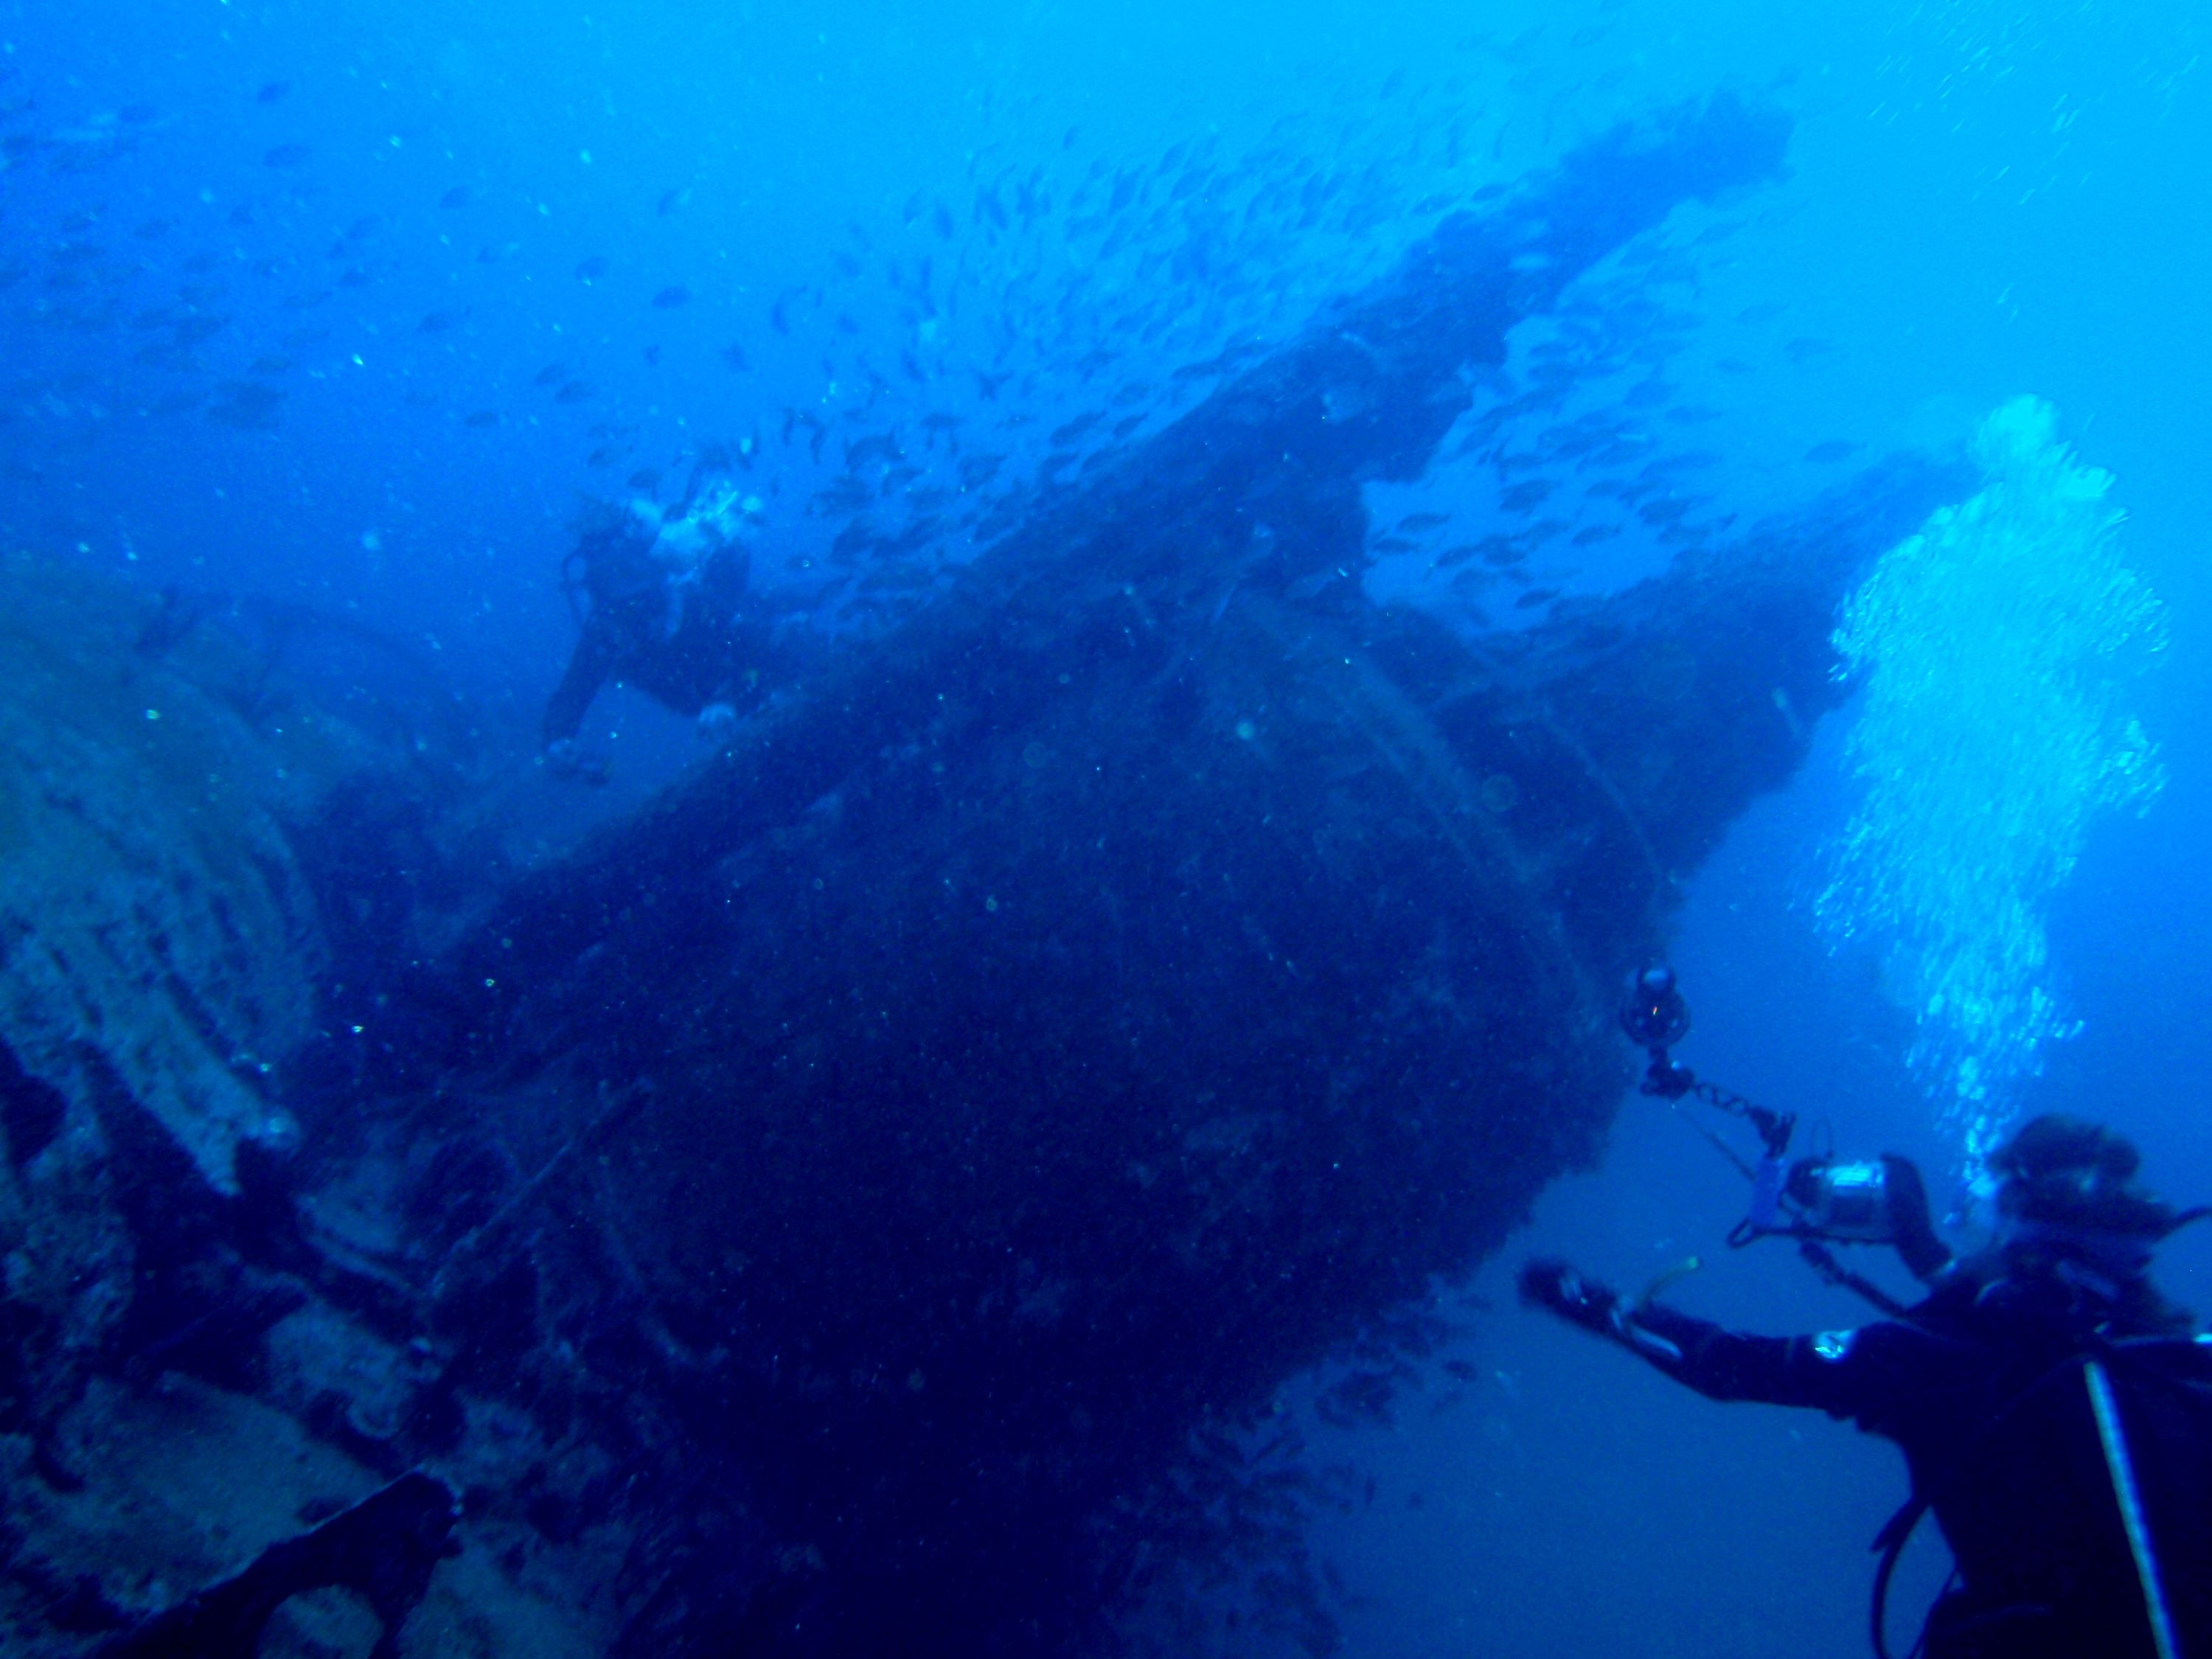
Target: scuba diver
(2054, 1409)
(662, 603)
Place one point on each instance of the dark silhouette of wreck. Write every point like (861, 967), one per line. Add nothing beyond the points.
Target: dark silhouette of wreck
(1119, 988)
(890, 1171)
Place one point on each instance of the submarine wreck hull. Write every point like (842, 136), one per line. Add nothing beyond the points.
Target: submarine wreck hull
(1258, 487)
(1037, 1098)
(1121, 988)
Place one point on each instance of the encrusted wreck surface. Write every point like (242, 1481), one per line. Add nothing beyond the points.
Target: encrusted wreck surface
(1123, 986)
(1050, 1090)
(159, 950)
(160, 941)
(851, 1207)
(182, 843)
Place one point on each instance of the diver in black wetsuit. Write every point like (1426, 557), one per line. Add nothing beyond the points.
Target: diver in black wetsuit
(2054, 1409)
(666, 606)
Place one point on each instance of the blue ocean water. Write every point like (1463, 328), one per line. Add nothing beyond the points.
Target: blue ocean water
(353, 310)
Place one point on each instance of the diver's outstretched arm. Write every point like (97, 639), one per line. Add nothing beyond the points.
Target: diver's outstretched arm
(1826, 1371)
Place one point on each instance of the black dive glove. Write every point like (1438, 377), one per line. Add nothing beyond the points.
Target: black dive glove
(1914, 1236)
(1557, 1287)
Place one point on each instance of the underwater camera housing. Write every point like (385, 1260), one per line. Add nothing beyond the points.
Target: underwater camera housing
(1814, 1200)
(1822, 1199)
(1830, 1200)
(1843, 1203)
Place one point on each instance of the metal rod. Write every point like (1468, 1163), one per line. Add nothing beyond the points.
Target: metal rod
(2131, 1515)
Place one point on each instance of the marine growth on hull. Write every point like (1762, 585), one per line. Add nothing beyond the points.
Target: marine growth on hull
(867, 1199)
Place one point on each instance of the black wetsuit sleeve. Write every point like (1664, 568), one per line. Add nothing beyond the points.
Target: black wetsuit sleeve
(1922, 1253)
(593, 661)
(1838, 1372)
